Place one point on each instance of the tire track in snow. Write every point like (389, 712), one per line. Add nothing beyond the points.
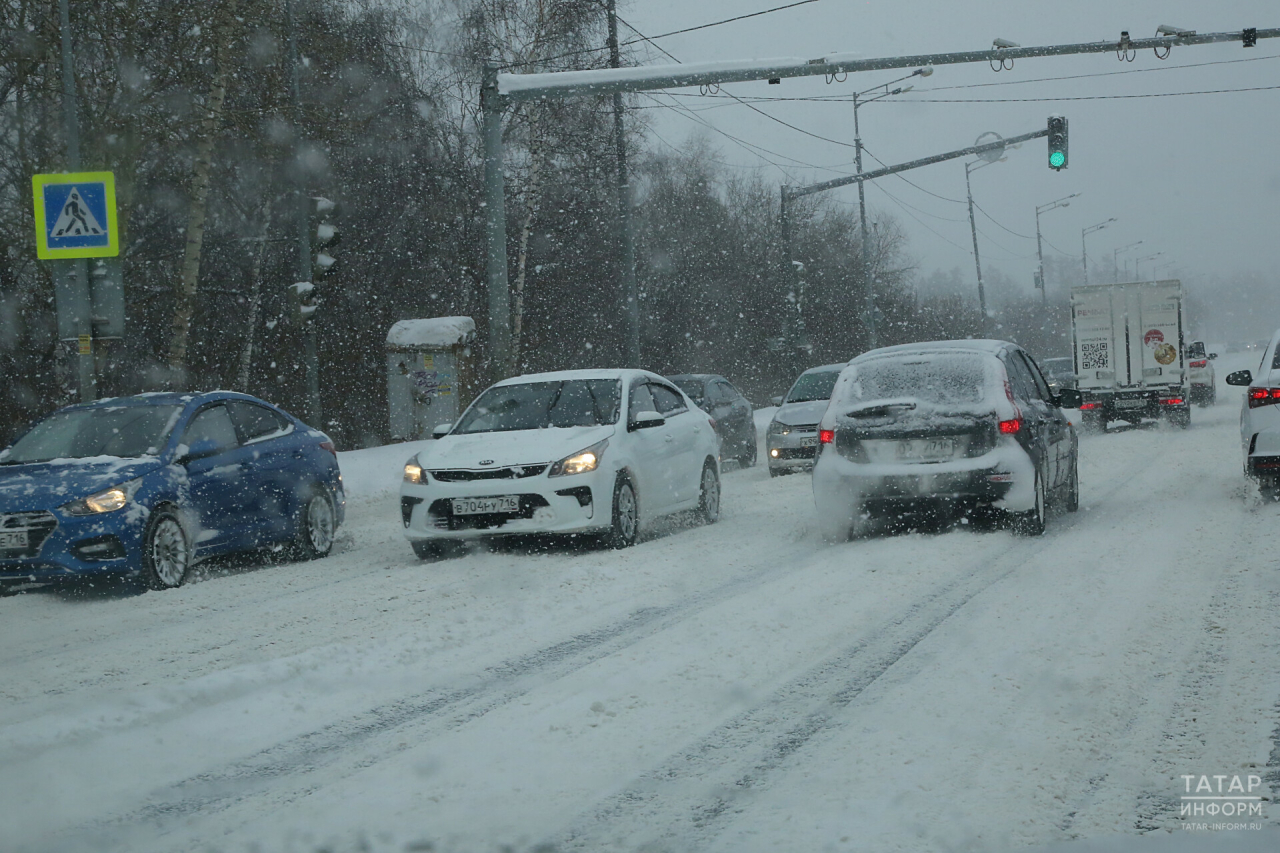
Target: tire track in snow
(692, 791)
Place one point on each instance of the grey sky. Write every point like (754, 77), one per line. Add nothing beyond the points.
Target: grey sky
(1194, 177)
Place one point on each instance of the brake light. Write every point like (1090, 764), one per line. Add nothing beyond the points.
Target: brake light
(1204, 363)
(328, 445)
(826, 436)
(1086, 406)
(1173, 401)
(1263, 397)
(1011, 427)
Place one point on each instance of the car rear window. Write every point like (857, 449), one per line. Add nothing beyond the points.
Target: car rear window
(944, 378)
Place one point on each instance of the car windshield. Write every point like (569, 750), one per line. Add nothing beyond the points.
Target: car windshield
(1058, 367)
(945, 379)
(1196, 350)
(539, 405)
(813, 386)
(122, 431)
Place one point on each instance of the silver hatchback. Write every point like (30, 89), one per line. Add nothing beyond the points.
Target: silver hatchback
(791, 441)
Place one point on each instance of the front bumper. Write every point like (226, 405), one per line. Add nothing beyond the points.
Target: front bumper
(579, 503)
(62, 546)
(794, 449)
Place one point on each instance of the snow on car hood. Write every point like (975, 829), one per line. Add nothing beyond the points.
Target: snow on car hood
(801, 414)
(46, 485)
(518, 447)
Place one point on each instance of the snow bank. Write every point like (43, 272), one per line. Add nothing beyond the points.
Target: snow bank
(376, 470)
(432, 332)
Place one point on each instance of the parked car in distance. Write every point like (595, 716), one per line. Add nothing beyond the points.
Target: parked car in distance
(151, 484)
(1200, 369)
(731, 413)
(579, 452)
(791, 439)
(946, 428)
(1059, 372)
(1260, 418)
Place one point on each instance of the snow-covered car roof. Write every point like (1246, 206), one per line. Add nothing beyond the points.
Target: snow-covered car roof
(596, 373)
(837, 366)
(990, 347)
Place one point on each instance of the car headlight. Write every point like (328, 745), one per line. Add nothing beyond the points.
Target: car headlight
(413, 472)
(107, 500)
(580, 462)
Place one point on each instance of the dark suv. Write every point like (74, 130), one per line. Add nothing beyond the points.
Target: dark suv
(733, 414)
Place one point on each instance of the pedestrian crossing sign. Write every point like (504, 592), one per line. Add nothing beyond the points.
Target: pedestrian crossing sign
(76, 215)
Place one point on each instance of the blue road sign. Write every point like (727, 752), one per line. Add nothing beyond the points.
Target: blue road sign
(75, 215)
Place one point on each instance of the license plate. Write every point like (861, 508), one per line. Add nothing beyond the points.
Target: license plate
(1131, 404)
(925, 449)
(12, 540)
(808, 442)
(483, 506)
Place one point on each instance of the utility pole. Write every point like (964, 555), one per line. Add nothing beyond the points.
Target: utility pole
(626, 241)
(1084, 253)
(973, 223)
(302, 212)
(1045, 208)
(74, 303)
(1115, 261)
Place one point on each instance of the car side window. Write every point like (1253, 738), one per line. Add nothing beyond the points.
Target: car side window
(722, 393)
(212, 424)
(1042, 387)
(1024, 387)
(731, 394)
(667, 400)
(639, 400)
(255, 422)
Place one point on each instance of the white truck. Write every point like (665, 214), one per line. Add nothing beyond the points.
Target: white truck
(1127, 341)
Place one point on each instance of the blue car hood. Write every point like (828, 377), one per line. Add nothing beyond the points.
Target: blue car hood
(47, 485)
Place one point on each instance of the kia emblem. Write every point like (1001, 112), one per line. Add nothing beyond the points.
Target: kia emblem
(486, 461)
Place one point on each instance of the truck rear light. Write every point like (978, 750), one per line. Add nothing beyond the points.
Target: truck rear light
(826, 436)
(1084, 407)
(1173, 401)
(1011, 427)
(1203, 363)
(1263, 397)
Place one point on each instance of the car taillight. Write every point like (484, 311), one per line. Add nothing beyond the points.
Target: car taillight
(826, 436)
(712, 420)
(1204, 363)
(1010, 427)
(328, 445)
(1263, 397)
(1084, 407)
(1173, 401)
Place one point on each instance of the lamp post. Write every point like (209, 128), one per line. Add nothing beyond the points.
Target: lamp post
(969, 167)
(1045, 208)
(1137, 265)
(1115, 260)
(862, 191)
(1084, 252)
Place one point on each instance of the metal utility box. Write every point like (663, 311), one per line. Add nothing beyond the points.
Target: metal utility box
(430, 374)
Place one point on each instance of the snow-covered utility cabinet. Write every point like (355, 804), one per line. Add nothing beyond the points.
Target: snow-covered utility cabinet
(1129, 354)
(430, 373)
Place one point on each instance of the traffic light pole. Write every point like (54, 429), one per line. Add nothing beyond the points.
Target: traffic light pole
(302, 203)
(500, 90)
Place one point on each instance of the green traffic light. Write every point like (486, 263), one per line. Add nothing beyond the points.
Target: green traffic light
(1057, 159)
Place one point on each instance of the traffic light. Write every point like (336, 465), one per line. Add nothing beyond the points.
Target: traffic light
(302, 302)
(324, 235)
(1057, 143)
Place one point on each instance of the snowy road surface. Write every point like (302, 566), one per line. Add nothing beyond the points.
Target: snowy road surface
(738, 687)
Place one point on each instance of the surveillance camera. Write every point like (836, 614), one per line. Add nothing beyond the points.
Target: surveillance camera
(926, 71)
(1003, 43)
(1166, 30)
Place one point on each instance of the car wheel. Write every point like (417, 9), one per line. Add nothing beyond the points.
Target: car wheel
(1031, 522)
(1073, 486)
(709, 494)
(748, 457)
(626, 515)
(166, 553)
(315, 527)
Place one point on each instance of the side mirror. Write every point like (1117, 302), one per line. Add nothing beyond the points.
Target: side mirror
(776, 401)
(441, 430)
(1069, 398)
(646, 420)
(201, 449)
(1240, 377)
(1212, 356)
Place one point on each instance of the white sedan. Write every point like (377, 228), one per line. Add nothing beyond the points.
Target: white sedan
(1260, 418)
(594, 452)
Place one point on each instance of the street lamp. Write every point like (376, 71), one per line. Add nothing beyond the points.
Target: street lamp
(973, 226)
(862, 190)
(1084, 253)
(1137, 265)
(1045, 208)
(1115, 260)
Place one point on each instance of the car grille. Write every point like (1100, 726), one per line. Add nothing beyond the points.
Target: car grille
(796, 453)
(462, 475)
(38, 526)
(442, 518)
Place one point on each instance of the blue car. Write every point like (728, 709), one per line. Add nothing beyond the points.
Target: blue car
(149, 485)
